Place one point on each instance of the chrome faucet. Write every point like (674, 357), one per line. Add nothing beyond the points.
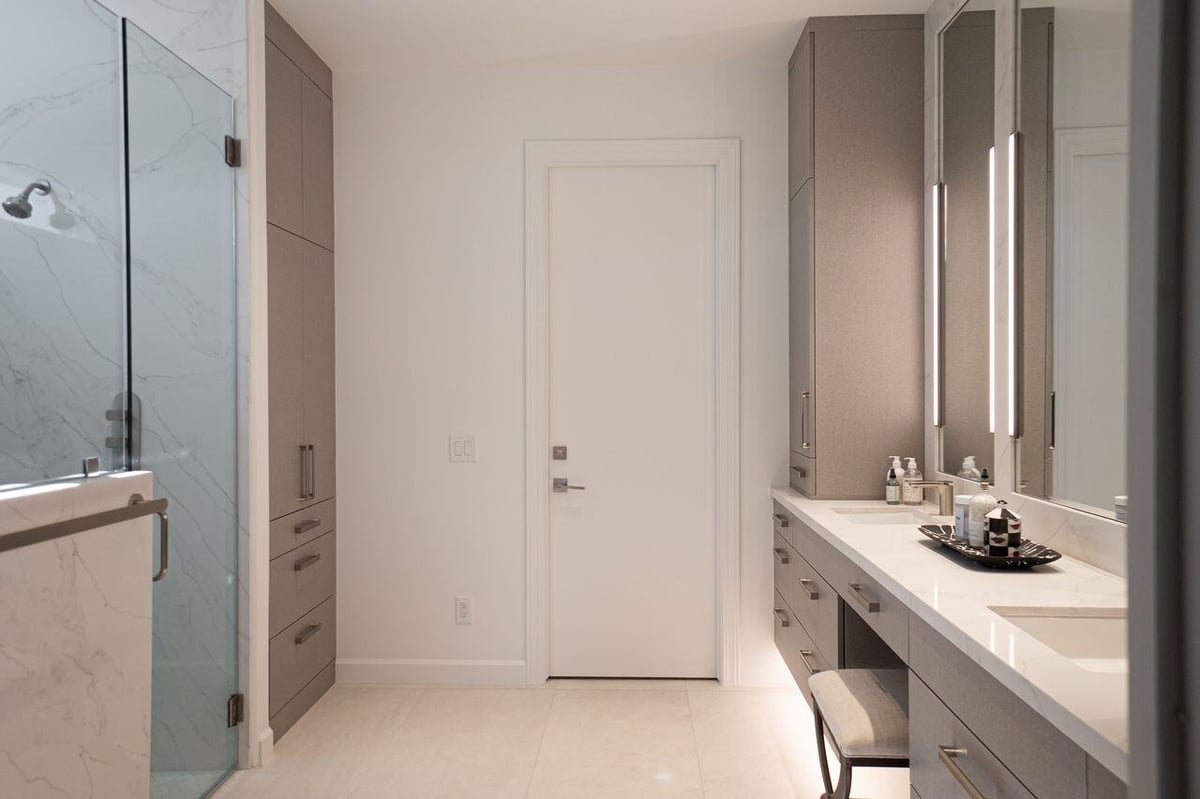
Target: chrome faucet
(945, 491)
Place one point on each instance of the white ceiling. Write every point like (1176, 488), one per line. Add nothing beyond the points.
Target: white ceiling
(401, 34)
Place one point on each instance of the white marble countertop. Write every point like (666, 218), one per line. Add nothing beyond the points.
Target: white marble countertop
(1089, 707)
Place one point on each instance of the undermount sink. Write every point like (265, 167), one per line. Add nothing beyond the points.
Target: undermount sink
(875, 515)
(1094, 638)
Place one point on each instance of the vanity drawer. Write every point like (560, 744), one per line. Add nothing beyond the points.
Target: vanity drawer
(883, 613)
(1043, 758)
(796, 647)
(785, 559)
(301, 580)
(815, 605)
(298, 705)
(297, 529)
(783, 523)
(300, 652)
(945, 757)
(803, 474)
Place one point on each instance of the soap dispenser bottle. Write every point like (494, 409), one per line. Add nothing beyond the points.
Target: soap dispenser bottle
(980, 506)
(911, 494)
(898, 469)
(892, 491)
(968, 471)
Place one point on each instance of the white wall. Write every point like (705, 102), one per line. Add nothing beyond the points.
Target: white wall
(430, 316)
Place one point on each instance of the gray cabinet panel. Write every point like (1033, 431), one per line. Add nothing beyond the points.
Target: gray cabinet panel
(284, 141)
(801, 315)
(932, 727)
(800, 116)
(317, 162)
(297, 529)
(301, 580)
(796, 647)
(285, 37)
(1103, 784)
(816, 606)
(285, 288)
(282, 721)
(300, 652)
(319, 391)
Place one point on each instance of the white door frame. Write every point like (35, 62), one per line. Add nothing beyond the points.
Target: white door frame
(724, 156)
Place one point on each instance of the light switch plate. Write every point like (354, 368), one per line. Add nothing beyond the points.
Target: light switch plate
(463, 449)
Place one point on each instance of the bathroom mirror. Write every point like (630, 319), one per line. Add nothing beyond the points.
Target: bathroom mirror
(966, 113)
(1073, 266)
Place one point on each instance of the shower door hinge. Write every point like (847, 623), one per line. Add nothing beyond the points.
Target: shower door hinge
(125, 440)
(235, 710)
(233, 151)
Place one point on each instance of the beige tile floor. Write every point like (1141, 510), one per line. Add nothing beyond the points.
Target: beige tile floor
(571, 739)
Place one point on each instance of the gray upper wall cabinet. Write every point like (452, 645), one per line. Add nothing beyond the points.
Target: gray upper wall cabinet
(299, 136)
(856, 95)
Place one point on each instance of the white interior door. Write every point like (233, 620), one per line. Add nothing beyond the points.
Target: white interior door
(632, 395)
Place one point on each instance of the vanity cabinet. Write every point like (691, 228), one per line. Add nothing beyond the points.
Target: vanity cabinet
(856, 111)
(300, 286)
(830, 614)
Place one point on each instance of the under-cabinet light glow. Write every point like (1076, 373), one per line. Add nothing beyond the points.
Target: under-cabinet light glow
(936, 214)
(991, 289)
(1012, 284)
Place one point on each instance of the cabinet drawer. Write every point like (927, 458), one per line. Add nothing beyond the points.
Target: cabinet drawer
(796, 647)
(301, 527)
(815, 604)
(944, 755)
(783, 523)
(301, 580)
(300, 652)
(785, 559)
(882, 612)
(804, 474)
(299, 704)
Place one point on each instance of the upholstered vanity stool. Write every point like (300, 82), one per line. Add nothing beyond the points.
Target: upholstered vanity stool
(866, 723)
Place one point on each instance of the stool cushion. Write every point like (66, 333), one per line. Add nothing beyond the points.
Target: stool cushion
(861, 712)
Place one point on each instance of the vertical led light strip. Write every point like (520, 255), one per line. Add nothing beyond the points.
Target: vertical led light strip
(1012, 284)
(991, 289)
(936, 211)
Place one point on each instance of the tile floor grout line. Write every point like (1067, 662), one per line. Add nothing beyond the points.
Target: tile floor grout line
(541, 740)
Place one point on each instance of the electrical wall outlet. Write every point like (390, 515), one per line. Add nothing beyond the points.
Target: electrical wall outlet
(462, 449)
(462, 610)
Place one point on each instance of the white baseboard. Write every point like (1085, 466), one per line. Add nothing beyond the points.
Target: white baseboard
(377, 671)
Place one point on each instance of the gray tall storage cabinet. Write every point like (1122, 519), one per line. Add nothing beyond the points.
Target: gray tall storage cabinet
(300, 288)
(855, 174)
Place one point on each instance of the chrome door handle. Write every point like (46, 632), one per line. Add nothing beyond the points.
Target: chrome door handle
(948, 756)
(307, 561)
(784, 621)
(562, 485)
(164, 540)
(870, 605)
(812, 592)
(805, 654)
(782, 554)
(307, 632)
(305, 526)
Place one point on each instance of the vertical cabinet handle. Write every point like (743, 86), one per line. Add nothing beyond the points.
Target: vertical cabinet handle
(164, 541)
(869, 605)
(303, 472)
(783, 619)
(312, 473)
(804, 442)
(948, 756)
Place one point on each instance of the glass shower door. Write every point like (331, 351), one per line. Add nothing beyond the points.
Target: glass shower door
(183, 380)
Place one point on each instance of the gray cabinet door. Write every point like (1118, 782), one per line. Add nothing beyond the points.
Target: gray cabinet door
(800, 116)
(800, 313)
(285, 287)
(319, 368)
(317, 165)
(284, 141)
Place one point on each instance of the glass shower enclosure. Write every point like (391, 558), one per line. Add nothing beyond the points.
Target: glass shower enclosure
(118, 327)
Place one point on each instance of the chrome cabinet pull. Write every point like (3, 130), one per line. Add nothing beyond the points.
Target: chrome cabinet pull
(780, 519)
(804, 442)
(305, 526)
(307, 561)
(805, 656)
(782, 554)
(808, 586)
(948, 756)
(870, 605)
(312, 473)
(783, 619)
(307, 632)
(800, 471)
(303, 472)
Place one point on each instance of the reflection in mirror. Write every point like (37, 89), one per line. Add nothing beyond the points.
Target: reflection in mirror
(967, 106)
(1073, 114)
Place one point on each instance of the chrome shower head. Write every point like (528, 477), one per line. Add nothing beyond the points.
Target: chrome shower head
(19, 206)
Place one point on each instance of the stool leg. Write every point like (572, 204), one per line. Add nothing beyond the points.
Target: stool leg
(824, 759)
(843, 789)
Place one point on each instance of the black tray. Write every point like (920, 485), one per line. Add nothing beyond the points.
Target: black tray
(1031, 553)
